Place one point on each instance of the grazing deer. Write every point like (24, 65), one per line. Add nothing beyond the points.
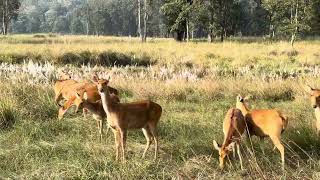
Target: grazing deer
(123, 116)
(263, 123)
(315, 102)
(67, 91)
(234, 125)
(95, 108)
(60, 88)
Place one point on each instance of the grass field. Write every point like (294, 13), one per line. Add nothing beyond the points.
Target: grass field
(196, 83)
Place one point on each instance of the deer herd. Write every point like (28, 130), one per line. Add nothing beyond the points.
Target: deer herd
(102, 101)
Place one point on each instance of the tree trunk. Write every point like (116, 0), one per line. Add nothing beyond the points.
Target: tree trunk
(5, 18)
(210, 36)
(145, 17)
(222, 34)
(294, 33)
(3, 22)
(187, 33)
(88, 21)
(139, 20)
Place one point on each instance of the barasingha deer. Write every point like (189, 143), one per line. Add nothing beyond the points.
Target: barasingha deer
(234, 125)
(66, 88)
(95, 108)
(264, 123)
(315, 103)
(121, 117)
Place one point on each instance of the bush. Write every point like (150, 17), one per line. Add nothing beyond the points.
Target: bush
(106, 58)
(39, 36)
(8, 115)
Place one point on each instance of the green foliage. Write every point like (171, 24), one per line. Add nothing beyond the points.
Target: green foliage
(165, 18)
(283, 16)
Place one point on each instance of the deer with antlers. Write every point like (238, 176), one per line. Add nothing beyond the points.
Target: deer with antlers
(121, 117)
(234, 125)
(264, 123)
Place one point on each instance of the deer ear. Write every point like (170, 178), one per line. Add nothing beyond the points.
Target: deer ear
(216, 145)
(95, 78)
(78, 95)
(239, 97)
(85, 96)
(247, 97)
(308, 89)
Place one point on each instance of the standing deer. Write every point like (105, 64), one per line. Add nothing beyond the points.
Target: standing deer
(263, 123)
(315, 102)
(135, 115)
(67, 91)
(234, 125)
(96, 109)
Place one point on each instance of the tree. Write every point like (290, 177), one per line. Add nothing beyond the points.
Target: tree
(76, 26)
(145, 18)
(177, 14)
(288, 18)
(139, 20)
(221, 16)
(314, 14)
(9, 10)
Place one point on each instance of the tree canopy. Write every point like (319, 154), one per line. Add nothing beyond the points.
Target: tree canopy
(182, 19)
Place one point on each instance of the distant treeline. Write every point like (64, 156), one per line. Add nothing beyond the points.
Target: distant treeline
(181, 19)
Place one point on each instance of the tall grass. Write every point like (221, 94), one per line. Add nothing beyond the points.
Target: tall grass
(196, 83)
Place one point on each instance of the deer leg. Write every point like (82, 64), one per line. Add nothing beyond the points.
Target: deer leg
(234, 151)
(148, 136)
(101, 128)
(276, 141)
(239, 154)
(154, 133)
(57, 98)
(318, 126)
(123, 139)
(108, 126)
(84, 112)
(117, 142)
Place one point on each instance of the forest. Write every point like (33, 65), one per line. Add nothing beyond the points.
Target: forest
(169, 79)
(181, 19)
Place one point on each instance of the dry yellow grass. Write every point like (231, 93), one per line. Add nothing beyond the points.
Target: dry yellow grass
(167, 51)
(194, 82)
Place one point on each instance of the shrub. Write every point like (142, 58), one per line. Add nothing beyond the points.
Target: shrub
(8, 115)
(39, 36)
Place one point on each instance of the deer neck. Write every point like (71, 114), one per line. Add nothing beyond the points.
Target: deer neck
(243, 108)
(106, 100)
(90, 106)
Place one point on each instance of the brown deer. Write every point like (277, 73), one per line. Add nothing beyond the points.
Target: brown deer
(135, 115)
(67, 92)
(315, 102)
(95, 108)
(234, 125)
(264, 122)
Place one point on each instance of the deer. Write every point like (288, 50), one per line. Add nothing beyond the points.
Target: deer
(66, 88)
(95, 108)
(264, 123)
(315, 103)
(121, 117)
(234, 125)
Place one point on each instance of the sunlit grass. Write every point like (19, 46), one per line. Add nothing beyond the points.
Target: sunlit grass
(195, 83)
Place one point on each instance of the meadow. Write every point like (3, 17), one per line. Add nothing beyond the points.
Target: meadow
(195, 83)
